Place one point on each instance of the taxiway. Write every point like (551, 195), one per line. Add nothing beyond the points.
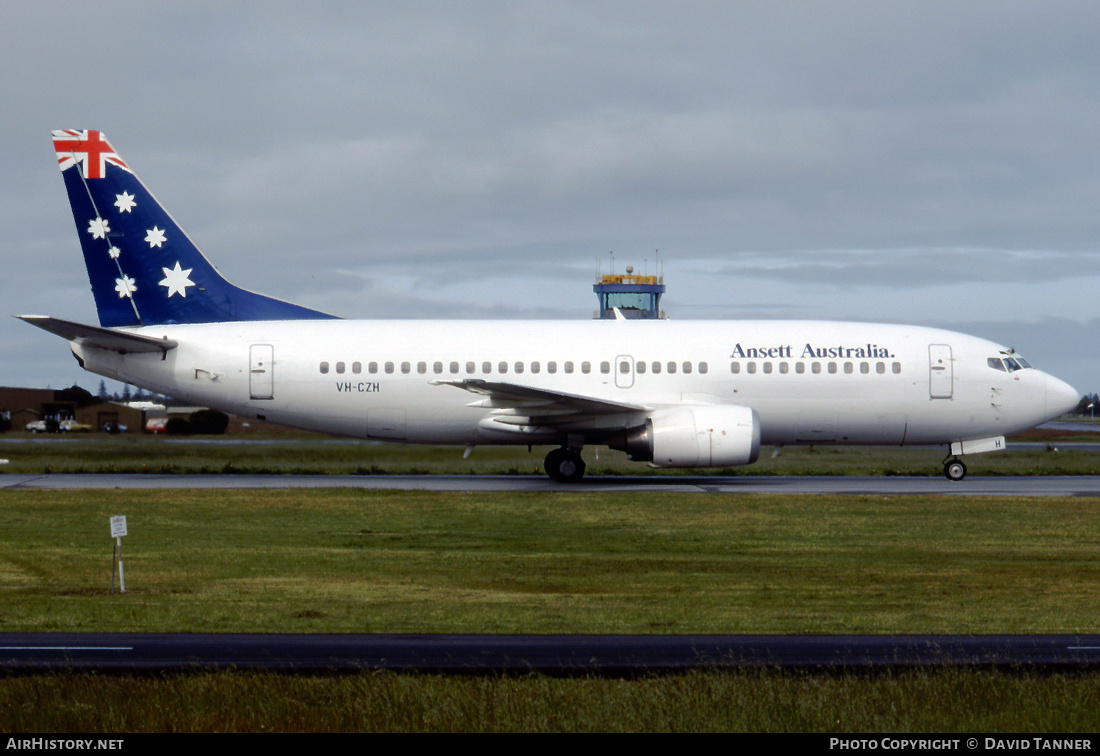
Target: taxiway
(545, 653)
(1067, 485)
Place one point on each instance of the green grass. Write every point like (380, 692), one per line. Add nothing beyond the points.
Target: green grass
(942, 701)
(365, 561)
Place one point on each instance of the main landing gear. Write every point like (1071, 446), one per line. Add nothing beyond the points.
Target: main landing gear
(565, 465)
(954, 469)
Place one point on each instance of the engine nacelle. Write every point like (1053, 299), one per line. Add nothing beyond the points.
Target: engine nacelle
(707, 436)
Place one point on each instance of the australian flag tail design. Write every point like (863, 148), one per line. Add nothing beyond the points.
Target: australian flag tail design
(143, 268)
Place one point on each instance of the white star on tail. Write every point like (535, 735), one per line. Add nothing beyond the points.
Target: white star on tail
(176, 280)
(125, 202)
(155, 237)
(98, 228)
(125, 287)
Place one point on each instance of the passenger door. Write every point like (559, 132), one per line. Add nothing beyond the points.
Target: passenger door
(261, 371)
(941, 371)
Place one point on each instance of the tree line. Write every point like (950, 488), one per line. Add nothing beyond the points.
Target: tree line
(1088, 406)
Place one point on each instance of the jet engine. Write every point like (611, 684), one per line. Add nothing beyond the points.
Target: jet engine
(706, 436)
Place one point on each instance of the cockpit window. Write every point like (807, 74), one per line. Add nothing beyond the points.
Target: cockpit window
(1008, 364)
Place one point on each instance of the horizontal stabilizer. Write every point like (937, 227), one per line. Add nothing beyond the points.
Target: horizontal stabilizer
(104, 338)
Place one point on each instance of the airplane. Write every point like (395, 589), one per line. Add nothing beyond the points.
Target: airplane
(675, 394)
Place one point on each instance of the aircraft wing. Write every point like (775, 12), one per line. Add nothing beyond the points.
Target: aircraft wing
(535, 406)
(104, 338)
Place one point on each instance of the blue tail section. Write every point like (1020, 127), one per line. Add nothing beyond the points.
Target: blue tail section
(143, 268)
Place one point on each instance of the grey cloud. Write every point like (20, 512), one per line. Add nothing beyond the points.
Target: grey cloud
(914, 268)
(849, 159)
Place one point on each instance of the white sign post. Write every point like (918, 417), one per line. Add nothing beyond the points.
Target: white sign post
(118, 529)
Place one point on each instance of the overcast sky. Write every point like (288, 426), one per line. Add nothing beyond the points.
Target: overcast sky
(914, 162)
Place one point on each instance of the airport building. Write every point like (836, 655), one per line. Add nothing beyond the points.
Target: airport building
(634, 297)
(50, 408)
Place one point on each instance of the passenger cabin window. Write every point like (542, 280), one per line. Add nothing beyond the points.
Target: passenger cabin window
(389, 367)
(357, 367)
(340, 368)
(406, 368)
(605, 367)
(422, 367)
(372, 367)
(568, 367)
(486, 367)
(640, 367)
(849, 368)
(502, 367)
(586, 367)
(324, 368)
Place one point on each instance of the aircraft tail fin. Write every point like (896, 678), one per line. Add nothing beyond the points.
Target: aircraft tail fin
(143, 268)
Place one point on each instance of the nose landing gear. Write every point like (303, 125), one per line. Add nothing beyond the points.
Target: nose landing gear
(565, 465)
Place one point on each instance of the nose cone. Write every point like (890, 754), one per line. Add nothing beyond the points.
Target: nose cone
(1061, 397)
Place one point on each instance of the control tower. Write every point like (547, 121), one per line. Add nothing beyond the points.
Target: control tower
(636, 297)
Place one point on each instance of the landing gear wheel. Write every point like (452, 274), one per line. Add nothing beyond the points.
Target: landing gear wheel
(564, 465)
(954, 469)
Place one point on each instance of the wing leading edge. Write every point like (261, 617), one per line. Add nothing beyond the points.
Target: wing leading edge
(528, 406)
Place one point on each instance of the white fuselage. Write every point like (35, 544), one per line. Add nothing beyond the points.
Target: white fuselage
(808, 381)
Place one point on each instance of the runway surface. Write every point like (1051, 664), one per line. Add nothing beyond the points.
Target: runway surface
(1068, 485)
(544, 653)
